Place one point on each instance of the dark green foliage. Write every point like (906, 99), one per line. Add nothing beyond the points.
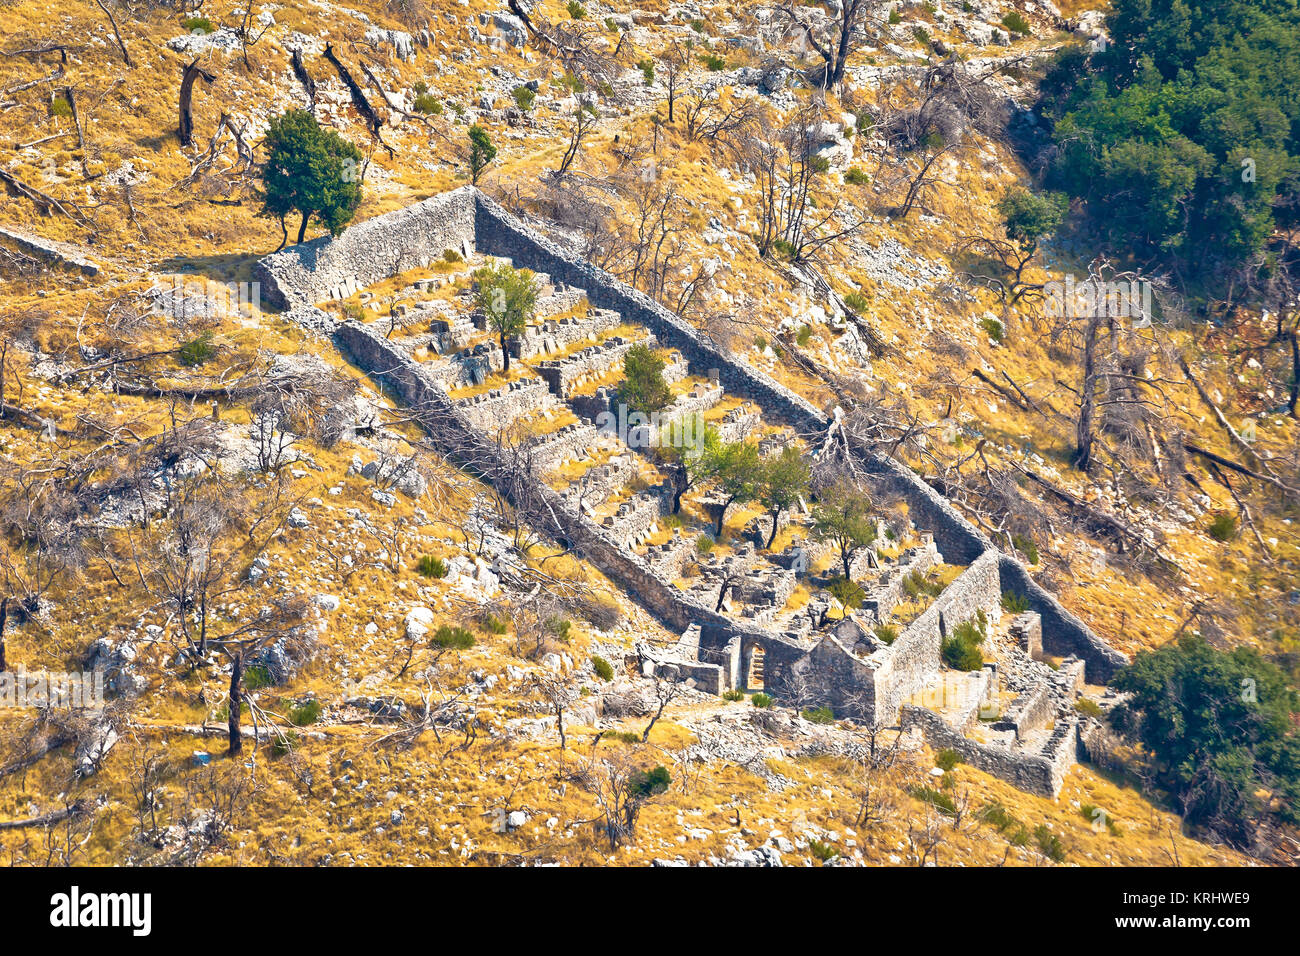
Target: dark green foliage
(431, 567)
(426, 103)
(309, 170)
(643, 387)
(1026, 547)
(1014, 603)
(996, 815)
(647, 67)
(197, 25)
(643, 785)
(961, 649)
(857, 302)
(1016, 23)
(1183, 135)
(733, 696)
(197, 350)
(855, 176)
(257, 676)
(713, 61)
(481, 152)
(493, 624)
(947, 759)
(1049, 843)
(704, 544)
(1220, 726)
(936, 798)
(843, 516)
(576, 10)
(822, 851)
(761, 700)
(886, 632)
(784, 480)
(452, 638)
(819, 715)
(602, 668)
(848, 593)
(524, 97)
(305, 714)
(1223, 527)
(285, 744)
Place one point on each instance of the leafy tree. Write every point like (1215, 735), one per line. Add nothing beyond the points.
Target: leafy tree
(508, 297)
(739, 474)
(842, 515)
(310, 170)
(481, 152)
(784, 481)
(1220, 728)
(644, 389)
(1183, 134)
(848, 593)
(689, 452)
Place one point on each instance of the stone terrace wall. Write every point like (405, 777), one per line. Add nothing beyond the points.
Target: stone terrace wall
(1062, 632)
(464, 218)
(1034, 773)
(907, 664)
(369, 251)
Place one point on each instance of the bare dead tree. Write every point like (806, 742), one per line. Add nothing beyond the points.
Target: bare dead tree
(191, 73)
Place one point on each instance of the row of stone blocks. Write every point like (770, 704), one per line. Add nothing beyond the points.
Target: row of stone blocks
(595, 361)
(555, 335)
(501, 407)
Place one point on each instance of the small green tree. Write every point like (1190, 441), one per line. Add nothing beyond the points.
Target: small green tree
(784, 481)
(1220, 728)
(688, 452)
(508, 297)
(309, 170)
(843, 516)
(481, 152)
(739, 473)
(643, 388)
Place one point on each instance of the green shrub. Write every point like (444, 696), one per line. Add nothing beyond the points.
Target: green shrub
(647, 67)
(895, 18)
(1094, 814)
(1014, 603)
(642, 785)
(430, 567)
(602, 668)
(1026, 547)
(523, 97)
(1088, 707)
(916, 584)
(733, 696)
(1049, 843)
(993, 329)
(427, 103)
(198, 25)
(848, 593)
(936, 798)
(704, 544)
(947, 759)
(819, 715)
(493, 624)
(886, 632)
(1223, 527)
(305, 714)
(59, 106)
(257, 676)
(855, 176)
(453, 638)
(285, 743)
(822, 851)
(996, 815)
(576, 10)
(857, 301)
(451, 256)
(197, 350)
(804, 335)
(713, 62)
(1016, 23)
(761, 700)
(961, 649)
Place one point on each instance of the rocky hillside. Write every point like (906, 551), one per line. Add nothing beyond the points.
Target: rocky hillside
(410, 642)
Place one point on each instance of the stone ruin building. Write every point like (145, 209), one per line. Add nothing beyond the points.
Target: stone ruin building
(748, 618)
